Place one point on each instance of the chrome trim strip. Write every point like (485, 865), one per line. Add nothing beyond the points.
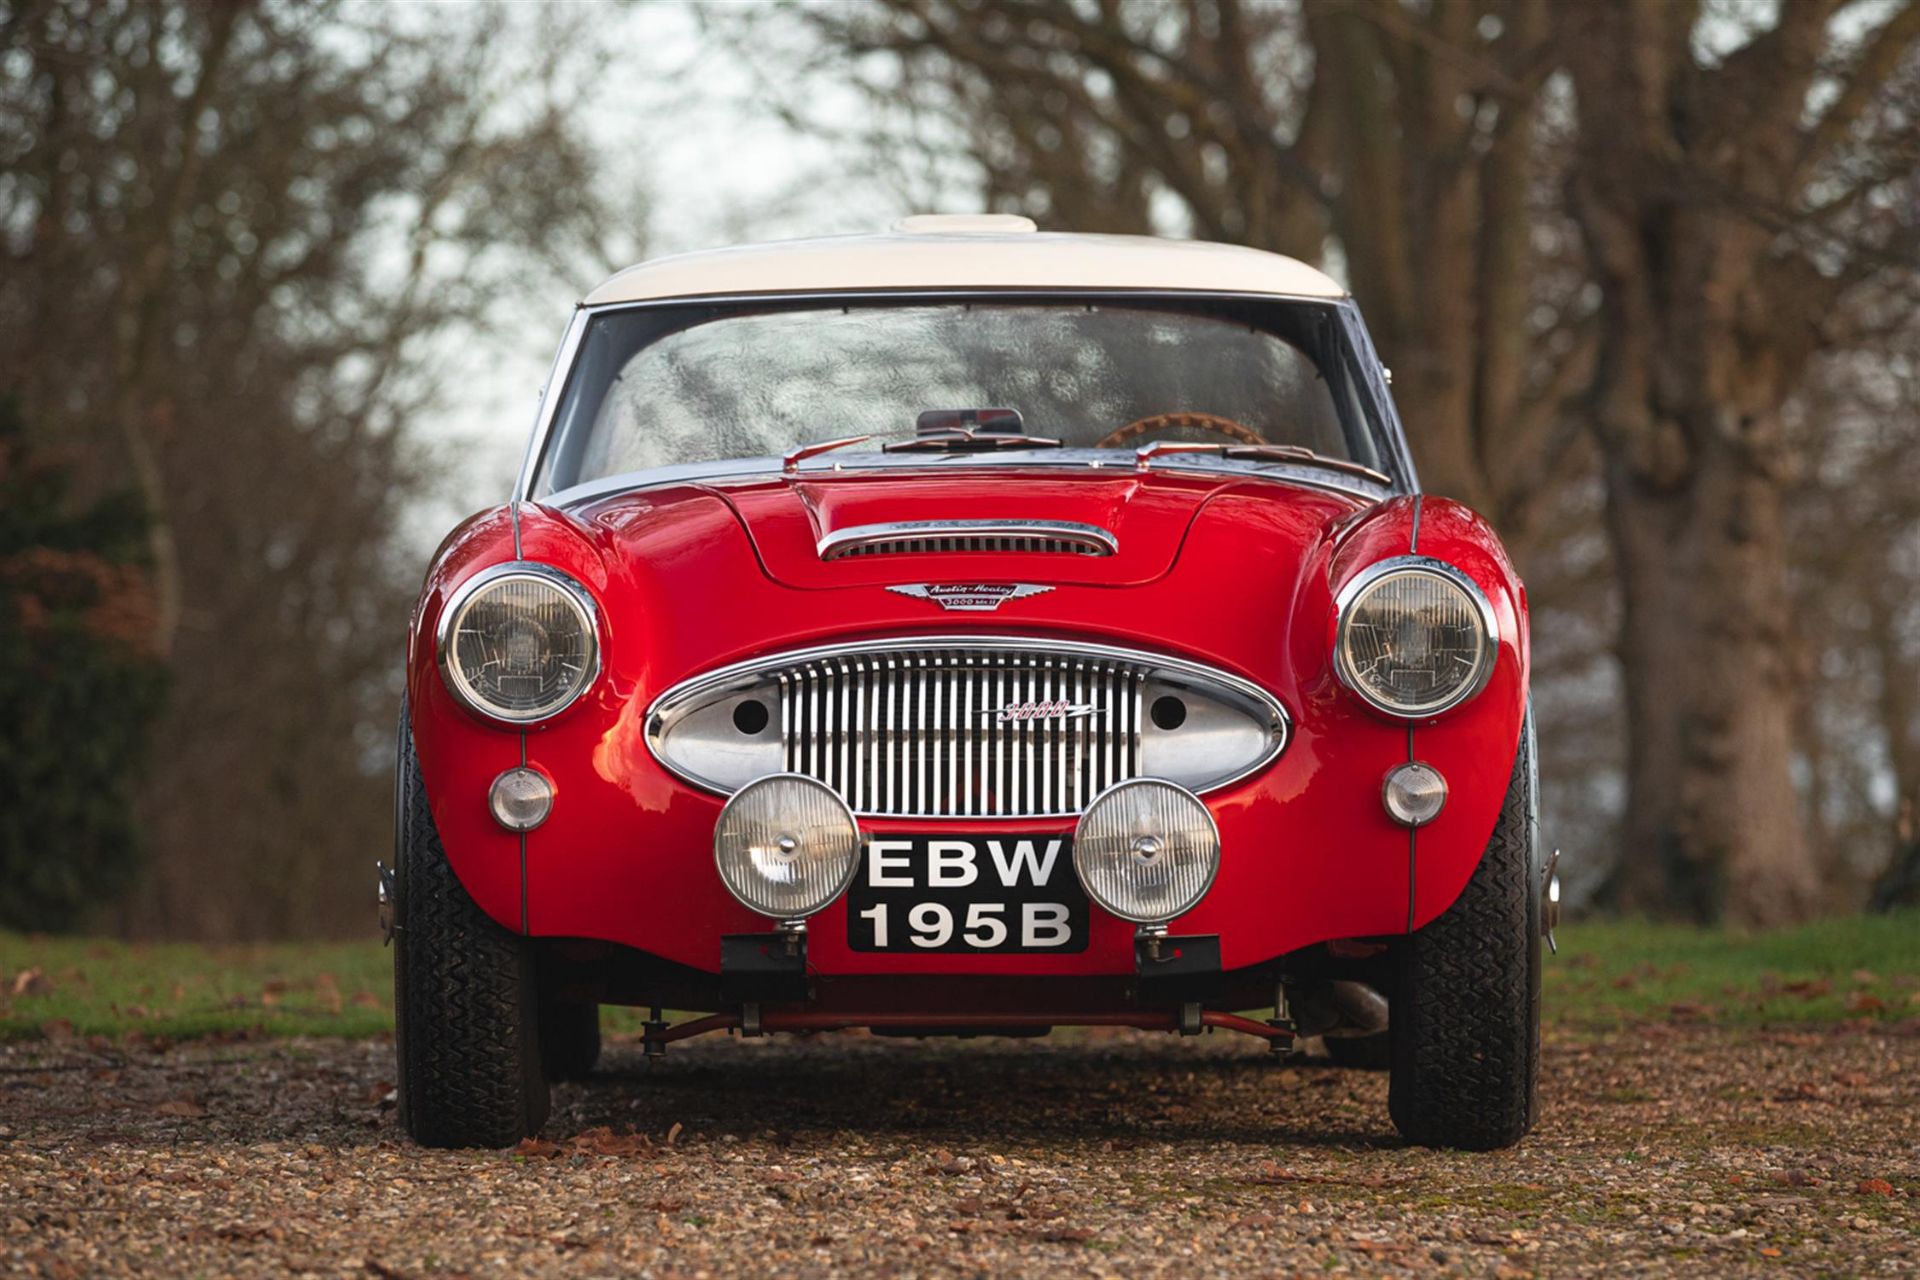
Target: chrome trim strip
(998, 760)
(843, 541)
(563, 361)
(1094, 460)
(456, 605)
(1439, 569)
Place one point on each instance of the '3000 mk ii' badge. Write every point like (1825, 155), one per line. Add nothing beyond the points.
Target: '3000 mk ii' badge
(971, 597)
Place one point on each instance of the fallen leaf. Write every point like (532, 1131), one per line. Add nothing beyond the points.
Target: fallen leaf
(1875, 1187)
(181, 1107)
(1769, 1252)
(1853, 1079)
(1688, 1011)
(1809, 988)
(1272, 1175)
(673, 1134)
(1865, 1002)
(537, 1149)
(365, 1000)
(31, 982)
(603, 1141)
(1865, 977)
(58, 1030)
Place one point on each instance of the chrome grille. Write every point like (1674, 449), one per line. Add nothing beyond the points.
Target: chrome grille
(927, 546)
(918, 733)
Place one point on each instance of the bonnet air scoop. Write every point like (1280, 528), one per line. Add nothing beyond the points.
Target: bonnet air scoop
(980, 523)
(960, 537)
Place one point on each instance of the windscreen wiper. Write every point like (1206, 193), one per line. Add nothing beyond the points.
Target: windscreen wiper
(792, 461)
(967, 440)
(1258, 453)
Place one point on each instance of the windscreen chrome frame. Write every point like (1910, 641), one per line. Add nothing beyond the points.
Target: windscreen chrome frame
(1393, 436)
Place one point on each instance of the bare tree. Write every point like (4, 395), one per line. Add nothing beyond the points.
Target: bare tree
(239, 243)
(1731, 204)
(1406, 140)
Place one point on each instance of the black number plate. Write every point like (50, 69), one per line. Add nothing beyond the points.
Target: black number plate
(1003, 894)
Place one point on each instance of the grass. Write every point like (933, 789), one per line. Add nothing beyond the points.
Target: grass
(1621, 971)
(1608, 974)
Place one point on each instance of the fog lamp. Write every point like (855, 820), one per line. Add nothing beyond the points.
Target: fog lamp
(521, 798)
(1146, 850)
(786, 845)
(1414, 793)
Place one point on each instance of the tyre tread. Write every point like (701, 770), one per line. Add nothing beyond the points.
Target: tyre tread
(1466, 1015)
(464, 993)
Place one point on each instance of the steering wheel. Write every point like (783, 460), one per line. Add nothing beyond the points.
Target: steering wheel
(1236, 431)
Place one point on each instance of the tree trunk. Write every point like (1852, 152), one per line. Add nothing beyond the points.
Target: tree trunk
(1713, 827)
(1899, 884)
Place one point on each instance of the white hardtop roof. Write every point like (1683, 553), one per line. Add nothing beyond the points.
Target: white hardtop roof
(967, 252)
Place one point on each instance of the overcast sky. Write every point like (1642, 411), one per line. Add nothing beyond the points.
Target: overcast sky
(682, 123)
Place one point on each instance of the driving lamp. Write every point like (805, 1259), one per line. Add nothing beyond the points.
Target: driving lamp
(786, 845)
(518, 643)
(1415, 637)
(1146, 850)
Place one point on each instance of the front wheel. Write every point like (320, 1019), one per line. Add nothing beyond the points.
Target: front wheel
(466, 1017)
(1466, 1007)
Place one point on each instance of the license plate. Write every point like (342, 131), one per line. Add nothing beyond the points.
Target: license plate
(1002, 894)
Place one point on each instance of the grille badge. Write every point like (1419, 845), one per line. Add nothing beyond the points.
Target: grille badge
(974, 597)
(1056, 710)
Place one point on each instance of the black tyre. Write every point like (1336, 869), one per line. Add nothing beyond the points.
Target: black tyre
(1466, 1007)
(569, 1039)
(464, 997)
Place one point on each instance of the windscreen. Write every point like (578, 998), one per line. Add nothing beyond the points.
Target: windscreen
(654, 387)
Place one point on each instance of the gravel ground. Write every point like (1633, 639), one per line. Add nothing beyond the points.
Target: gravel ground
(1670, 1150)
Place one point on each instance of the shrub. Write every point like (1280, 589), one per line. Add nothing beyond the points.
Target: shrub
(79, 688)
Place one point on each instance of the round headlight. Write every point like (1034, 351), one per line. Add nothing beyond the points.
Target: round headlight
(518, 643)
(1146, 850)
(1415, 637)
(786, 845)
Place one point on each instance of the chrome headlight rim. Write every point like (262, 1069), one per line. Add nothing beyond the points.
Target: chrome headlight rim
(1140, 918)
(578, 598)
(846, 879)
(1363, 582)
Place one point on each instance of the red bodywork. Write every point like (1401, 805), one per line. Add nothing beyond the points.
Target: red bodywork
(1233, 571)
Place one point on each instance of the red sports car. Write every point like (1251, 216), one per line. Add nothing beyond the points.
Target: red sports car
(969, 631)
